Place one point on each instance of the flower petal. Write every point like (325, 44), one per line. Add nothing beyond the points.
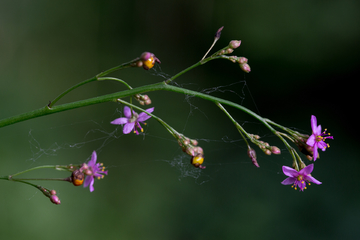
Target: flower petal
(313, 123)
(91, 187)
(322, 145)
(120, 121)
(311, 140)
(315, 152)
(307, 170)
(312, 179)
(88, 180)
(288, 181)
(317, 130)
(127, 112)
(93, 159)
(144, 116)
(290, 172)
(128, 127)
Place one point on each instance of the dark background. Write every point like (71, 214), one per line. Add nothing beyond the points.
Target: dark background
(304, 61)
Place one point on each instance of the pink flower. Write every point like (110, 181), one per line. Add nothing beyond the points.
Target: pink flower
(93, 170)
(132, 121)
(299, 178)
(317, 139)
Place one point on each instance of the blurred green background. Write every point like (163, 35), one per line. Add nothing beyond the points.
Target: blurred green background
(304, 61)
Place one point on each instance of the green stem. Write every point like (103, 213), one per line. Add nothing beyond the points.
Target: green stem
(162, 86)
(37, 179)
(191, 67)
(122, 66)
(115, 79)
(69, 90)
(96, 78)
(57, 167)
(238, 126)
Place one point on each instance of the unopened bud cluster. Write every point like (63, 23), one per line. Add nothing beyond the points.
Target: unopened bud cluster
(189, 146)
(243, 64)
(143, 99)
(50, 194)
(243, 61)
(264, 146)
(300, 142)
(267, 149)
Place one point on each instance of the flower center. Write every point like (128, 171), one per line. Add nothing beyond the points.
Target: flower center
(300, 178)
(134, 117)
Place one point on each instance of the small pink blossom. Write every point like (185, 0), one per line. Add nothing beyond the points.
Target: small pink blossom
(93, 170)
(317, 139)
(299, 178)
(132, 121)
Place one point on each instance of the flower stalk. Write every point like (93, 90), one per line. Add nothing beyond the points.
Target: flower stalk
(298, 175)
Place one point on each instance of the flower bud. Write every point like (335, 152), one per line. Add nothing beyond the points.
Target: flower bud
(88, 172)
(190, 151)
(304, 148)
(218, 33)
(245, 67)
(55, 199)
(194, 142)
(52, 192)
(234, 59)
(199, 150)
(275, 150)
(252, 155)
(229, 50)
(242, 60)
(234, 44)
(84, 166)
(267, 152)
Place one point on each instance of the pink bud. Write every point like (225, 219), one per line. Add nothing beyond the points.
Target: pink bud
(252, 155)
(194, 142)
(229, 50)
(242, 60)
(275, 150)
(199, 150)
(245, 67)
(190, 151)
(235, 44)
(218, 32)
(267, 152)
(55, 199)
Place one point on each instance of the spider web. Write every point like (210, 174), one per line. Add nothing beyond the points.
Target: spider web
(101, 137)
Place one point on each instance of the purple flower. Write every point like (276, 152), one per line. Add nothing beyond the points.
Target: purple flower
(317, 139)
(299, 178)
(93, 170)
(132, 121)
